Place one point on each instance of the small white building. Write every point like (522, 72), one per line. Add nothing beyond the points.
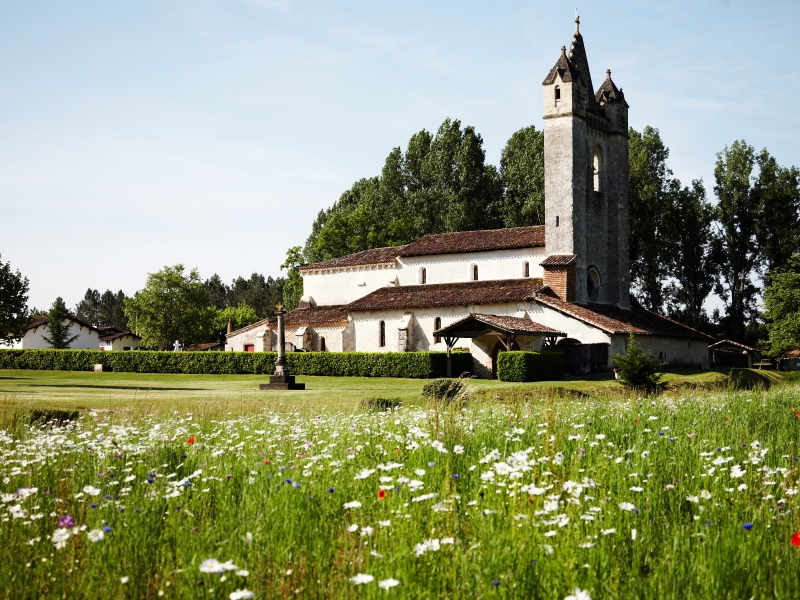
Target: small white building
(88, 336)
(119, 340)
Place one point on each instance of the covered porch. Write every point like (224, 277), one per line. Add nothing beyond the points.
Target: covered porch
(505, 330)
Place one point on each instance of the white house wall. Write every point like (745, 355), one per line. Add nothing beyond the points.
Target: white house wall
(237, 342)
(88, 339)
(453, 268)
(585, 334)
(343, 286)
(129, 342)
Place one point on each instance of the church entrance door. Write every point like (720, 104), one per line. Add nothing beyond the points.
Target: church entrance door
(498, 348)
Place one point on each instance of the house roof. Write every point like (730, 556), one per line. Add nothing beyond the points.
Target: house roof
(558, 260)
(792, 354)
(449, 294)
(613, 319)
(116, 336)
(317, 315)
(44, 320)
(457, 242)
(478, 324)
(476, 241)
(374, 256)
(724, 344)
(251, 326)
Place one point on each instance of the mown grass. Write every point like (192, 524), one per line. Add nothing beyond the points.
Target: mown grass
(283, 473)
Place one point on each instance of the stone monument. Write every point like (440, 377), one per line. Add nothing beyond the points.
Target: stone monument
(281, 380)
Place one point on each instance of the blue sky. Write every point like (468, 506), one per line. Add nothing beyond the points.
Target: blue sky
(139, 134)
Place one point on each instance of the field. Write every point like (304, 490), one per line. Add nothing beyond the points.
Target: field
(200, 487)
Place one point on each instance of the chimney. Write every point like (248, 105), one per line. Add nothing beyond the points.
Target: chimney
(230, 325)
(559, 275)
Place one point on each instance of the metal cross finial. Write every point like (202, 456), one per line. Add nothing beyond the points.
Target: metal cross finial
(577, 21)
(279, 306)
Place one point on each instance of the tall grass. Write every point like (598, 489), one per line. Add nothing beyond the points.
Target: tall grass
(268, 492)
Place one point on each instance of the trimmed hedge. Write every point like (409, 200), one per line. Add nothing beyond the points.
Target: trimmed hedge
(415, 365)
(530, 366)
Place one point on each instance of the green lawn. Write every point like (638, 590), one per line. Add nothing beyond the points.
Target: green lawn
(76, 389)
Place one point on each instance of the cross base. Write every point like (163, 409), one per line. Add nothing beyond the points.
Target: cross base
(282, 382)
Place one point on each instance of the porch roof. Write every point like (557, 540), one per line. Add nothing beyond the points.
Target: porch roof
(476, 325)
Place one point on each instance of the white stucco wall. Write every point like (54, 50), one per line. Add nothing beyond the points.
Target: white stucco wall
(451, 268)
(676, 352)
(88, 339)
(346, 285)
(237, 342)
(129, 341)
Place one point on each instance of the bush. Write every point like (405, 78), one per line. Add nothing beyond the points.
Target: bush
(444, 390)
(638, 370)
(381, 404)
(414, 365)
(530, 366)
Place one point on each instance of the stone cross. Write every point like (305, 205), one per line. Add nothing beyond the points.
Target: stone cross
(177, 346)
(280, 363)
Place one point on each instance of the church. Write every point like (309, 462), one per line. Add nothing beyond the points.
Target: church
(564, 284)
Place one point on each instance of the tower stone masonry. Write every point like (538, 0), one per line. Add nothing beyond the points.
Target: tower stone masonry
(586, 177)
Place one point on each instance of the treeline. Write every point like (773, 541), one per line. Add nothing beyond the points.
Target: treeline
(682, 246)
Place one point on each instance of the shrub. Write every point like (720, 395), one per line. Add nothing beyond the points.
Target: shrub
(444, 390)
(381, 404)
(530, 366)
(413, 365)
(637, 369)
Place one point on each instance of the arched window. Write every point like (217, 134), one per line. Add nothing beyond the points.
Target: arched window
(437, 325)
(558, 94)
(526, 269)
(592, 284)
(382, 335)
(474, 273)
(423, 275)
(597, 165)
(322, 344)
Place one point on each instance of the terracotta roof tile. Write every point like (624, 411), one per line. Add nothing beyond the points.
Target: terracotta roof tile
(449, 294)
(721, 345)
(116, 336)
(476, 241)
(317, 315)
(373, 256)
(515, 325)
(558, 260)
(613, 319)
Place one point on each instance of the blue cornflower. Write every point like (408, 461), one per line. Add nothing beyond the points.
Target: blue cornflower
(289, 481)
(455, 475)
(295, 484)
(330, 490)
(138, 511)
(496, 582)
(107, 529)
(281, 468)
(187, 483)
(93, 505)
(747, 526)
(660, 433)
(708, 523)
(671, 439)
(431, 464)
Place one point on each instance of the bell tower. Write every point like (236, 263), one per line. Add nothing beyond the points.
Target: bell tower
(586, 180)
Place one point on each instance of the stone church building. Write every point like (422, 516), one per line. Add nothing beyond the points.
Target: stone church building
(565, 283)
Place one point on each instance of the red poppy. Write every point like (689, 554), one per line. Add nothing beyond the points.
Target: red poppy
(381, 494)
(727, 419)
(266, 461)
(796, 539)
(798, 414)
(636, 421)
(190, 440)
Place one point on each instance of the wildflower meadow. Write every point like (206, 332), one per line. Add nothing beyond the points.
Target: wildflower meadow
(691, 495)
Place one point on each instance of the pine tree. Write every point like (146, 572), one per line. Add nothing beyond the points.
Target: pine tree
(58, 326)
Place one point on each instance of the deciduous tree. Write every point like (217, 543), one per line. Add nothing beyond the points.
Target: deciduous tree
(782, 304)
(13, 304)
(172, 306)
(522, 174)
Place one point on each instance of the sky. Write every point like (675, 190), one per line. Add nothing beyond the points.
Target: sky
(139, 134)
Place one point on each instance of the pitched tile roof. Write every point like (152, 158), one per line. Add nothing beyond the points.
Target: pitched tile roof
(513, 325)
(317, 315)
(373, 256)
(564, 67)
(613, 319)
(267, 321)
(724, 344)
(558, 260)
(442, 243)
(116, 336)
(608, 92)
(476, 241)
(44, 320)
(449, 294)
